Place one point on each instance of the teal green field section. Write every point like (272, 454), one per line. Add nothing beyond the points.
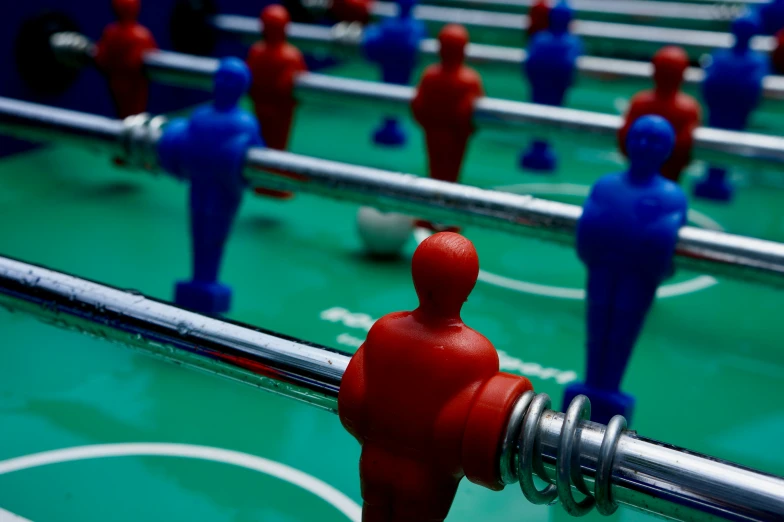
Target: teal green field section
(114, 435)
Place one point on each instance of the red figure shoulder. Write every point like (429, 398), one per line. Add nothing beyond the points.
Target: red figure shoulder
(273, 70)
(538, 17)
(351, 10)
(122, 47)
(446, 98)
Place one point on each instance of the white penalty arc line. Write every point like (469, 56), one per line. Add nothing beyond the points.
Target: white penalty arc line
(571, 189)
(309, 483)
(7, 516)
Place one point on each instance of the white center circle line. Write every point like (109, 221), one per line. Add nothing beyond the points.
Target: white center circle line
(307, 482)
(695, 284)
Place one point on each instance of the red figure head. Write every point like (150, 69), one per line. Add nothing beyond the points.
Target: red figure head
(453, 39)
(445, 267)
(669, 64)
(126, 10)
(274, 19)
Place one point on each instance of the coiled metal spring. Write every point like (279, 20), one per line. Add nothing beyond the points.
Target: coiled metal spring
(519, 461)
(139, 139)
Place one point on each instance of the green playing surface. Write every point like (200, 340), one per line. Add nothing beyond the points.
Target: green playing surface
(159, 442)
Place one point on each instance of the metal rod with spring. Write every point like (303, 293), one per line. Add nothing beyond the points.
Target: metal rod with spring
(644, 40)
(135, 141)
(343, 38)
(624, 468)
(663, 13)
(710, 144)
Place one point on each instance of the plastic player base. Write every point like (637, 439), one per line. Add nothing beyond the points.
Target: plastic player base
(539, 158)
(604, 404)
(714, 187)
(205, 298)
(390, 134)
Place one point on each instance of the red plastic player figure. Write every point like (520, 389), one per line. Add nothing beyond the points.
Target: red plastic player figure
(350, 11)
(274, 63)
(444, 105)
(538, 18)
(119, 55)
(666, 100)
(424, 397)
(777, 55)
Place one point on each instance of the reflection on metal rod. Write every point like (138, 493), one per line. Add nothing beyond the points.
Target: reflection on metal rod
(644, 474)
(644, 39)
(664, 13)
(710, 144)
(711, 252)
(339, 40)
(280, 364)
(705, 251)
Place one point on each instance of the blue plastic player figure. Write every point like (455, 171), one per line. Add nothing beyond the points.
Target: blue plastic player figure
(394, 45)
(209, 149)
(732, 90)
(626, 238)
(771, 16)
(552, 58)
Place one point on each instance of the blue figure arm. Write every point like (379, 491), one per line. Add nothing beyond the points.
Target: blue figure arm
(249, 136)
(373, 43)
(664, 230)
(594, 228)
(170, 148)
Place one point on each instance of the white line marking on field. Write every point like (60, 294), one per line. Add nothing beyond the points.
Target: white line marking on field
(309, 483)
(7, 516)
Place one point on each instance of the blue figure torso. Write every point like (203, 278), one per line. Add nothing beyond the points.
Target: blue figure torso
(209, 150)
(552, 59)
(733, 87)
(771, 16)
(625, 224)
(626, 237)
(394, 45)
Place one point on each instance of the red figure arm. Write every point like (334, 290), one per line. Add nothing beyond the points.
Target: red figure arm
(351, 397)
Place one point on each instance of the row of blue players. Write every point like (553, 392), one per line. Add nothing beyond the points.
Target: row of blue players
(731, 90)
(626, 236)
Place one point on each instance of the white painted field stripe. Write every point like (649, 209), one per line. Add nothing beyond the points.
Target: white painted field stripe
(7, 516)
(309, 483)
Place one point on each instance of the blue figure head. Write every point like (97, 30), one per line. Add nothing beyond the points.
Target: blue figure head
(404, 8)
(231, 81)
(743, 29)
(560, 17)
(648, 144)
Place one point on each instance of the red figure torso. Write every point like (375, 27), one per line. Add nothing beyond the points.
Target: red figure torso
(681, 110)
(538, 17)
(274, 68)
(408, 392)
(444, 104)
(273, 64)
(777, 56)
(351, 11)
(119, 55)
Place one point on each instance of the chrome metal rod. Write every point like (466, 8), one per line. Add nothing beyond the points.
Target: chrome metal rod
(701, 250)
(716, 253)
(40, 122)
(340, 41)
(664, 13)
(645, 474)
(597, 36)
(719, 146)
(286, 366)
